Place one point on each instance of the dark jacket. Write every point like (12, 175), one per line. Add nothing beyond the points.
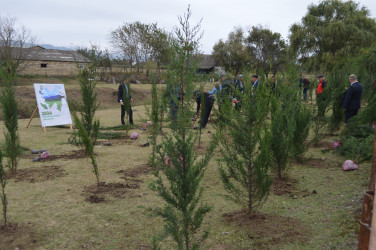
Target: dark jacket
(208, 100)
(352, 97)
(120, 92)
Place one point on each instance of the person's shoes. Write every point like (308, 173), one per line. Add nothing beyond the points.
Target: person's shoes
(195, 127)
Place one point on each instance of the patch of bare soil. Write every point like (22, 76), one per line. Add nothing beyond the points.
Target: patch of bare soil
(269, 231)
(321, 163)
(37, 174)
(75, 154)
(94, 194)
(135, 172)
(323, 144)
(202, 148)
(16, 236)
(283, 186)
(288, 187)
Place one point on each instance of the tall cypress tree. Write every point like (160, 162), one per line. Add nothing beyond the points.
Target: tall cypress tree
(178, 170)
(283, 126)
(10, 111)
(87, 125)
(245, 149)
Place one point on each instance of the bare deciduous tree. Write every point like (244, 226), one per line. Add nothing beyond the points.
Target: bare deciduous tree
(15, 43)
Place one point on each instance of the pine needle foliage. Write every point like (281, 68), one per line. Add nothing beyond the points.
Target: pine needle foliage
(303, 118)
(179, 171)
(3, 195)
(245, 148)
(88, 105)
(86, 124)
(282, 126)
(87, 143)
(10, 112)
(337, 79)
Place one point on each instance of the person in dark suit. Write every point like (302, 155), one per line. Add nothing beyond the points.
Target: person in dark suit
(125, 99)
(351, 102)
(206, 101)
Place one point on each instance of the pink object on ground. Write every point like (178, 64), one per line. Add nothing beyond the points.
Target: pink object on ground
(144, 125)
(349, 165)
(134, 135)
(149, 123)
(335, 144)
(45, 155)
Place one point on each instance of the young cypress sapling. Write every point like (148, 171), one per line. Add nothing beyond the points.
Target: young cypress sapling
(178, 170)
(10, 111)
(88, 126)
(282, 127)
(245, 149)
(3, 183)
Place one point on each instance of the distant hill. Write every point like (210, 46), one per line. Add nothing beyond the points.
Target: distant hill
(49, 46)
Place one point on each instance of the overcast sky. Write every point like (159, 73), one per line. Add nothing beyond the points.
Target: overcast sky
(73, 23)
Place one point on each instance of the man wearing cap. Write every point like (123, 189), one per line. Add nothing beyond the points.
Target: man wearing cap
(320, 97)
(351, 103)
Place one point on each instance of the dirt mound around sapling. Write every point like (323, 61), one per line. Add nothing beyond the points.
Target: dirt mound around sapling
(289, 187)
(135, 172)
(95, 194)
(269, 231)
(15, 235)
(38, 174)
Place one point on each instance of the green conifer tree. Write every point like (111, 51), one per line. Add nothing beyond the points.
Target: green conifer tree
(245, 149)
(303, 118)
(179, 171)
(3, 195)
(88, 127)
(283, 126)
(10, 111)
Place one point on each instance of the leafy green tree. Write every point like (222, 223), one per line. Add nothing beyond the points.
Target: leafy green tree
(267, 50)
(245, 148)
(232, 54)
(178, 170)
(3, 183)
(330, 32)
(101, 59)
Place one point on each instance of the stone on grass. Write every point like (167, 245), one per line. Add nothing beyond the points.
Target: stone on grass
(107, 143)
(349, 165)
(134, 135)
(34, 151)
(36, 159)
(45, 155)
(42, 150)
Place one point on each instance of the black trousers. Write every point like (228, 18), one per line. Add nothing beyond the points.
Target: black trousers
(208, 108)
(123, 114)
(349, 113)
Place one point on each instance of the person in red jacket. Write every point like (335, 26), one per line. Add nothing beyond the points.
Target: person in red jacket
(320, 96)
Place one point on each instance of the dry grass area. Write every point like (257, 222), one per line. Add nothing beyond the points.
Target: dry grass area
(54, 204)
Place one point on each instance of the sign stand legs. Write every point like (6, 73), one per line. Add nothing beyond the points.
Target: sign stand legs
(32, 116)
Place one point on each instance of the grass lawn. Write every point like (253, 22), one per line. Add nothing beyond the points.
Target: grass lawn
(53, 203)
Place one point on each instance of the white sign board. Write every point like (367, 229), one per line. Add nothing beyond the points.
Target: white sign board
(52, 104)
